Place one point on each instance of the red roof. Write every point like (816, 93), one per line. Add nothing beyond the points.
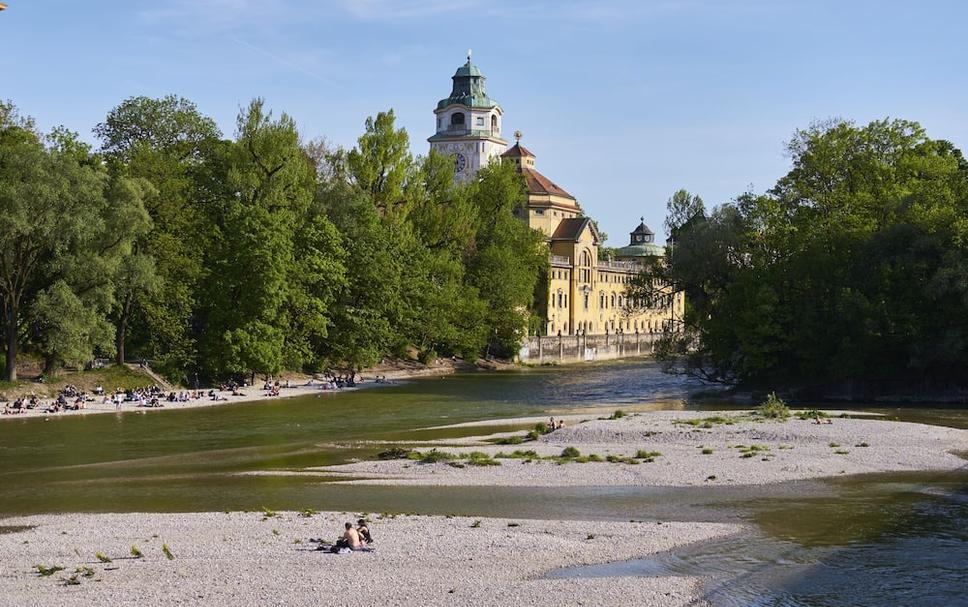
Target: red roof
(539, 184)
(517, 151)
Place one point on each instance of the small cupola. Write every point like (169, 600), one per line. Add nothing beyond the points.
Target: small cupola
(642, 234)
(521, 155)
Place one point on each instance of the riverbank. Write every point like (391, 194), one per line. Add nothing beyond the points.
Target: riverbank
(673, 448)
(391, 370)
(225, 559)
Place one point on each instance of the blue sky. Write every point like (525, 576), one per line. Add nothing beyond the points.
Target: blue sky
(622, 101)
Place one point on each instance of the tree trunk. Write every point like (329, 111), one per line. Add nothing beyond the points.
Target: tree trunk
(122, 331)
(120, 348)
(11, 322)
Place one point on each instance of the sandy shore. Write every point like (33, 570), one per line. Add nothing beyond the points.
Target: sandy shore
(690, 454)
(248, 395)
(392, 370)
(229, 559)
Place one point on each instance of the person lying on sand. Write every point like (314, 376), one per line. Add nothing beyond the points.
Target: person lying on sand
(823, 420)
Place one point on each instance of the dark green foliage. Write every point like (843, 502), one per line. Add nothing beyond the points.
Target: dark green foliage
(851, 267)
(221, 258)
(618, 414)
(394, 453)
(570, 452)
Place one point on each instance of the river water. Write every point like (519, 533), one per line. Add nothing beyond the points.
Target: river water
(889, 539)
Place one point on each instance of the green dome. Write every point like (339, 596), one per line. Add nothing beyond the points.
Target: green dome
(468, 89)
(642, 249)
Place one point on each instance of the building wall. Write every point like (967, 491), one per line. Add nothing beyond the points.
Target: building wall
(552, 349)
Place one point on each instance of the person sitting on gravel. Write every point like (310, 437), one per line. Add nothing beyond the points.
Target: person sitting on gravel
(364, 530)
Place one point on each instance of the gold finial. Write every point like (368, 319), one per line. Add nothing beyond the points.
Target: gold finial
(517, 136)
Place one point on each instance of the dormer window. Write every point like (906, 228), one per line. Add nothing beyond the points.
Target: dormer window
(457, 118)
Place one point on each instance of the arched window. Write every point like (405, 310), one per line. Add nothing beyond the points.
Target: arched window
(585, 262)
(457, 118)
(494, 123)
(586, 301)
(613, 300)
(601, 300)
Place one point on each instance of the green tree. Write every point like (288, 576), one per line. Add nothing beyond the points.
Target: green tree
(63, 230)
(680, 208)
(256, 288)
(506, 258)
(849, 268)
(162, 142)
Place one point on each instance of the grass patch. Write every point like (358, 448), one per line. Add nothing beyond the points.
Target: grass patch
(479, 458)
(841, 452)
(618, 459)
(167, 552)
(102, 557)
(84, 571)
(394, 453)
(833, 445)
(862, 445)
(431, 457)
(518, 454)
(135, 553)
(708, 422)
(476, 524)
(747, 452)
(509, 440)
(44, 571)
(618, 414)
(812, 414)
(773, 408)
(647, 456)
(308, 513)
(707, 451)
(570, 452)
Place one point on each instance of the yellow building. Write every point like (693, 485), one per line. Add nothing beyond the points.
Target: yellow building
(586, 295)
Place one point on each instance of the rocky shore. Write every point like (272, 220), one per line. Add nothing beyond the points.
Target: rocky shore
(256, 558)
(675, 448)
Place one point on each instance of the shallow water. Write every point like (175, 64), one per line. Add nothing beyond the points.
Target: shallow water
(896, 539)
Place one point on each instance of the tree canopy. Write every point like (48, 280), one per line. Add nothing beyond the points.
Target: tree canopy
(254, 254)
(852, 266)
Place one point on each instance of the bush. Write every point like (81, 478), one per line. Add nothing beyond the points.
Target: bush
(773, 408)
(433, 456)
(510, 440)
(479, 458)
(394, 453)
(619, 414)
(570, 452)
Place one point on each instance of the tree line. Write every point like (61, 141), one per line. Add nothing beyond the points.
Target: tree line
(258, 253)
(853, 266)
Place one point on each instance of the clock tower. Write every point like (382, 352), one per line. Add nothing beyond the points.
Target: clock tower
(468, 124)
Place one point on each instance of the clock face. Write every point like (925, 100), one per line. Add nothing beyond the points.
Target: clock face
(460, 163)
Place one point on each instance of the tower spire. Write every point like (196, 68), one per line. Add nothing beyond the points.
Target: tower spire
(468, 54)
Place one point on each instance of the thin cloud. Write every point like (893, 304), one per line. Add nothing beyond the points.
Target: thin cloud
(371, 10)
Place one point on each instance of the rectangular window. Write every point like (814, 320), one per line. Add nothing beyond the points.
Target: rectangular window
(480, 121)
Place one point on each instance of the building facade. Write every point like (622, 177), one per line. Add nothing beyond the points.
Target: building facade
(586, 293)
